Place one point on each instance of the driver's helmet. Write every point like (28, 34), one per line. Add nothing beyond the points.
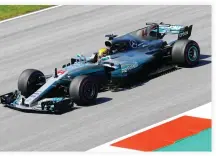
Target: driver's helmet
(102, 52)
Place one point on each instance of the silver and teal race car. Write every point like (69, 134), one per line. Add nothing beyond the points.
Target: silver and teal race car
(137, 54)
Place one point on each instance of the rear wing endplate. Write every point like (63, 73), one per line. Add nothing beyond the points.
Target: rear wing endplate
(185, 33)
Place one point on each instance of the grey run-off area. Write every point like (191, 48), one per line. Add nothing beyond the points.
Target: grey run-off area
(47, 40)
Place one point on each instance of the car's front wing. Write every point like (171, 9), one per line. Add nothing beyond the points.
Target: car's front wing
(17, 101)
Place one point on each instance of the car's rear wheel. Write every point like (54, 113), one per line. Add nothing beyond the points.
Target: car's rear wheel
(83, 90)
(29, 81)
(185, 53)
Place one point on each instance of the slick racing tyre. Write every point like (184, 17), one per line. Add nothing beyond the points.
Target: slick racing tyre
(29, 81)
(185, 53)
(83, 90)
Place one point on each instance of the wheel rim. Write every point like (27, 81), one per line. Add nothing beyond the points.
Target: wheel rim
(89, 90)
(193, 53)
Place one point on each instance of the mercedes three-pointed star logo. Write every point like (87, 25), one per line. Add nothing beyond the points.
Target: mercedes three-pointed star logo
(133, 44)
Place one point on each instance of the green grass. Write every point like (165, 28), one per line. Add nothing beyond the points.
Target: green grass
(8, 11)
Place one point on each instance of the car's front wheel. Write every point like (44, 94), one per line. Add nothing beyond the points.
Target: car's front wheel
(29, 81)
(83, 90)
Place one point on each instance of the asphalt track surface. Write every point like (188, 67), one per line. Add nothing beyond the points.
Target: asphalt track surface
(48, 40)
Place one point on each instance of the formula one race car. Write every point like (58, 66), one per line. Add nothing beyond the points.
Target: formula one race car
(139, 53)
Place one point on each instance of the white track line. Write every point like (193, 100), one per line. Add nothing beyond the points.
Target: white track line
(31, 13)
(203, 111)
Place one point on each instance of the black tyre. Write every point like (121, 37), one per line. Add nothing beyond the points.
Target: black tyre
(185, 53)
(83, 90)
(29, 81)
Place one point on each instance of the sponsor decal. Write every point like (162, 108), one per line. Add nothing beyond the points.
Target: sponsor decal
(175, 27)
(128, 67)
(143, 44)
(133, 44)
(183, 34)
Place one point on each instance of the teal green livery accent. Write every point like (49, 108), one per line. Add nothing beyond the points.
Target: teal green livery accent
(199, 142)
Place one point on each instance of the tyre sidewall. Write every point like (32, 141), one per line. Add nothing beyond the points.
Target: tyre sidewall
(25, 79)
(189, 62)
(180, 53)
(77, 89)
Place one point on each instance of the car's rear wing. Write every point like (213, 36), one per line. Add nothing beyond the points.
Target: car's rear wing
(184, 32)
